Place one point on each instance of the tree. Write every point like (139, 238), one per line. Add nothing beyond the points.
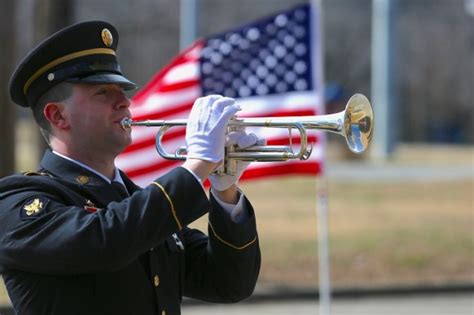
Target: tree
(7, 133)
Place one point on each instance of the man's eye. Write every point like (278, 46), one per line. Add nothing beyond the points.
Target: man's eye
(101, 92)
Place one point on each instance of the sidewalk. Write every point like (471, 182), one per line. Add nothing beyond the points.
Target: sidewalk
(459, 303)
(394, 172)
(410, 162)
(437, 304)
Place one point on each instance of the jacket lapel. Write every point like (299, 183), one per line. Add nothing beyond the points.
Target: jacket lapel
(87, 183)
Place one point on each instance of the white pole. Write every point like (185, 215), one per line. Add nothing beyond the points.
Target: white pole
(323, 248)
(321, 189)
(188, 23)
(383, 82)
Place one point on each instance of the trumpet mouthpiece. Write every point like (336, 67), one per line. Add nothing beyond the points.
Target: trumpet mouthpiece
(126, 123)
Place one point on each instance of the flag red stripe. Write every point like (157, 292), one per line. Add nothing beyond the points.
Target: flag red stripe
(152, 168)
(306, 168)
(176, 86)
(285, 112)
(295, 140)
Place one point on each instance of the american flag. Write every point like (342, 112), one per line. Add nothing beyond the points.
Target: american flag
(271, 67)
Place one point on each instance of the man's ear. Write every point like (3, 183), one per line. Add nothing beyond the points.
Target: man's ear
(54, 113)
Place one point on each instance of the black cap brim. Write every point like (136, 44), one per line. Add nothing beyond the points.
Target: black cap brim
(105, 78)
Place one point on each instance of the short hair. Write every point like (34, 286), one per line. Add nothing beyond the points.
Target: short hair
(58, 93)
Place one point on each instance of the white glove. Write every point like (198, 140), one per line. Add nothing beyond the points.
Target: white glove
(206, 127)
(242, 140)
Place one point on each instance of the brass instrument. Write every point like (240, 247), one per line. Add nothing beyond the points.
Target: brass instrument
(355, 123)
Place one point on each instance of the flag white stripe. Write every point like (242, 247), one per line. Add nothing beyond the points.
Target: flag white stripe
(161, 101)
(308, 100)
(144, 180)
(181, 73)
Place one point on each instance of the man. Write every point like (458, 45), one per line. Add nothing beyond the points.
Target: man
(77, 236)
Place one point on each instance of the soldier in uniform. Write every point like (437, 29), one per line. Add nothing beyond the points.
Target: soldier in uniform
(79, 237)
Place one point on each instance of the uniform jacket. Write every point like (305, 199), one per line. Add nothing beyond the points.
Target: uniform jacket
(70, 244)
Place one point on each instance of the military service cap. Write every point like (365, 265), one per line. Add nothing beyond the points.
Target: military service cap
(81, 53)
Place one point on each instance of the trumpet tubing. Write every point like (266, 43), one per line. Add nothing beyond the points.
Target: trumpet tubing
(355, 124)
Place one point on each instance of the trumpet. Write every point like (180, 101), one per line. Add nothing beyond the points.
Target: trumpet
(355, 124)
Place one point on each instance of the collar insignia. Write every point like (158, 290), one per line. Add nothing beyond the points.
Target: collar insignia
(82, 179)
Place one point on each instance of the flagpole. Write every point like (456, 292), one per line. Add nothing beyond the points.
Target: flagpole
(323, 248)
(188, 23)
(322, 208)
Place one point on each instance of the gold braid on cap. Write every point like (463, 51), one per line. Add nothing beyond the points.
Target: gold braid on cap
(82, 53)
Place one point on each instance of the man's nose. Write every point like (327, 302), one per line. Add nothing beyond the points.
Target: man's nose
(123, 102)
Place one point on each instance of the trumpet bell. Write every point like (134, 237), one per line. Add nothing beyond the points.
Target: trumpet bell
(358, 123)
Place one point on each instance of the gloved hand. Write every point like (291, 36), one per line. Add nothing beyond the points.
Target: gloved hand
(206, 127)
(242, 140)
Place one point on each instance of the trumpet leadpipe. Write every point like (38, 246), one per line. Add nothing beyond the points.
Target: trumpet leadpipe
(128, 123)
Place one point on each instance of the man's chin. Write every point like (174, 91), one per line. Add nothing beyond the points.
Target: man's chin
(124, 144)
(119, 144)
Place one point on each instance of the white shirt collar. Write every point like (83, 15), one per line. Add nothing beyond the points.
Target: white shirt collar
(117, 177)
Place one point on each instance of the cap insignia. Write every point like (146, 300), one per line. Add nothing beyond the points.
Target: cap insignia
(107, 37)
(82, 179)
(51, 76)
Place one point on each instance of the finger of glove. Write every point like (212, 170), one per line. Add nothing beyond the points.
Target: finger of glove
(233, 138)
(261, 141)
(247, 140)
(230, 111)
(222, 182)
(225, 116)
(244, 140)
(221, 103)
(200, 111)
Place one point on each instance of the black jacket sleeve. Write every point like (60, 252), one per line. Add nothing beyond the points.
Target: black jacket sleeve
(44, 229)
(224, 266)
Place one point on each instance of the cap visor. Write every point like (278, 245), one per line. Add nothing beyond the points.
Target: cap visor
(105, 78)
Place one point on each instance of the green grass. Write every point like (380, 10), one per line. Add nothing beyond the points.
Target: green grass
(391, 234)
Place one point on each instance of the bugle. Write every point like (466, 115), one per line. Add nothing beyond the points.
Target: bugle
(355, 124)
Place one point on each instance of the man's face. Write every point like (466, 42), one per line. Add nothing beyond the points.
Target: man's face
(95, 113)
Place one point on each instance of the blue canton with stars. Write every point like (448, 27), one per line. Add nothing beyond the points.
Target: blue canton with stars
(271, 56)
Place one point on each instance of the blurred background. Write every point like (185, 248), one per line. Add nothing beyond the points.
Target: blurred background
(401, 219)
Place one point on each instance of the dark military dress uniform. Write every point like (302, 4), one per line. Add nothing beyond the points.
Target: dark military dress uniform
(71, 244)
